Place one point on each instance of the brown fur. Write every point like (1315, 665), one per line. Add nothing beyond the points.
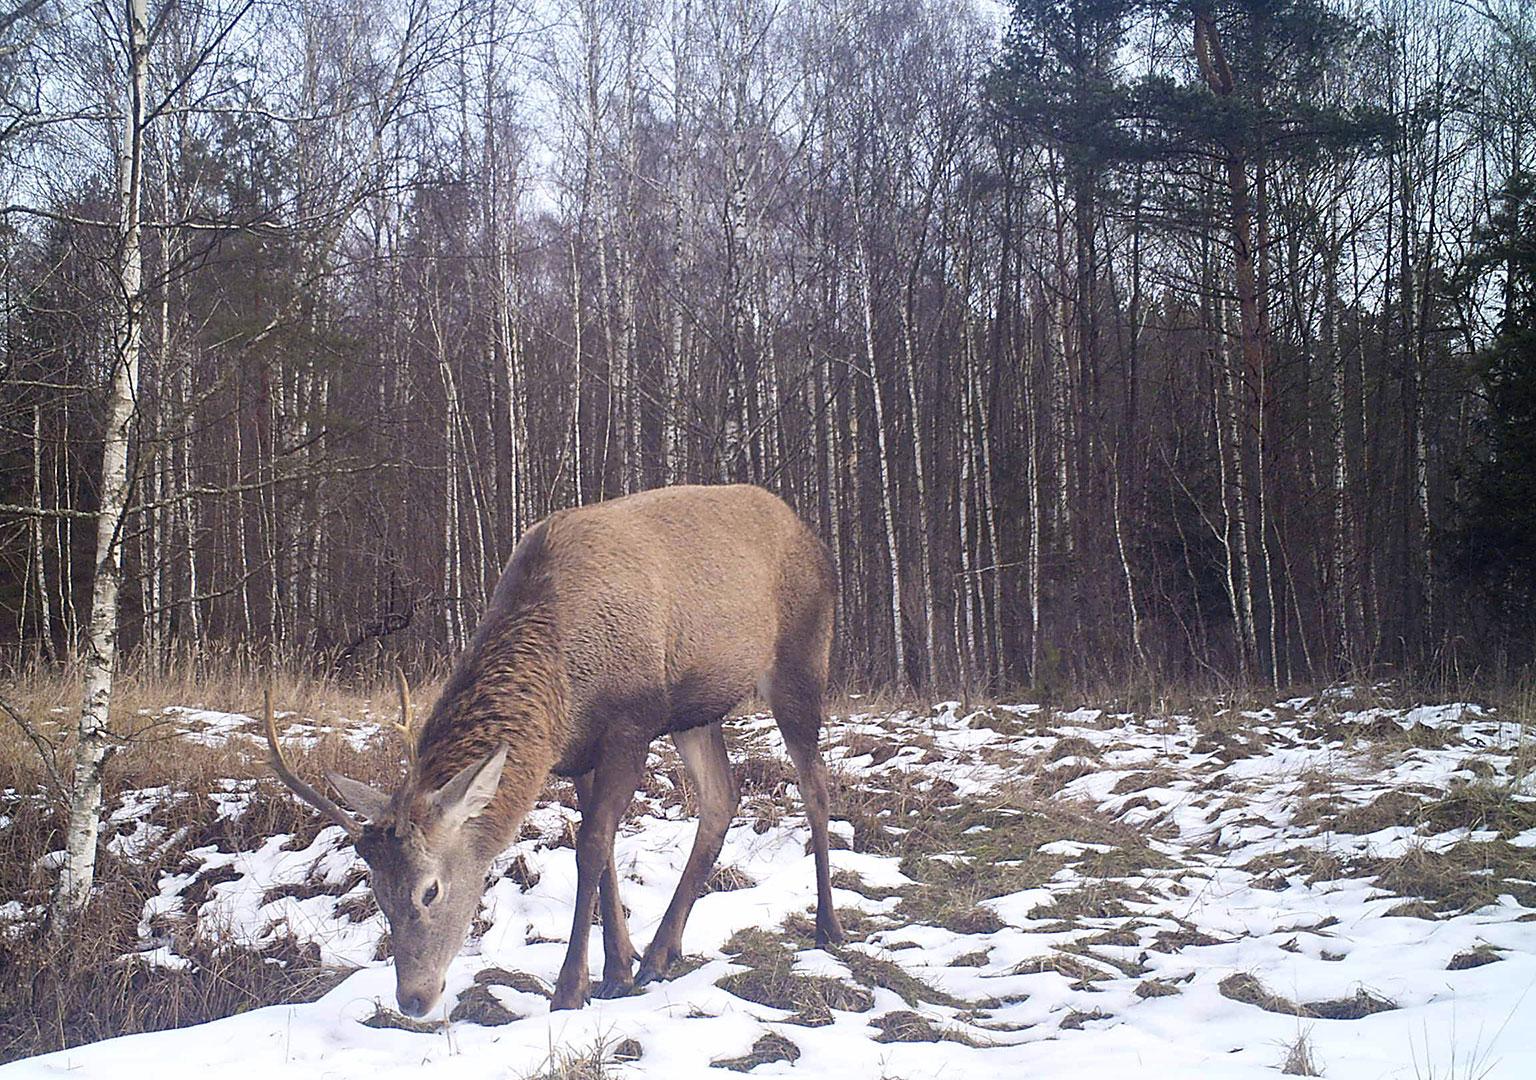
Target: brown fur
(612, 625)
(673, 602)
(509, 688)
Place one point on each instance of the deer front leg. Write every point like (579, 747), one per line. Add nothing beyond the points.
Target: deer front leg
(611, 788)
(619, 953)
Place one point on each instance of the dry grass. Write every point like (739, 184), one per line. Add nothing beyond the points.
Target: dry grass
(586, 1063)
(96, 986)
(57, 996)
(1380, 812)
(152, 751)
(875, 971)
(903, 1025)
(769, 1048)
(1477, 956)
(479, 1005)
(1081, 972)
(727, 879)
(515, 980)
(964, 855)
(770, 979)
(976, 959)
(230, 681)
(1247, 989)
(1300, 1059)
(1483, 804)
(385, 1017)
(1463, 877)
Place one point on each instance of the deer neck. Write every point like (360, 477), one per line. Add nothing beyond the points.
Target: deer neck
(510, 688)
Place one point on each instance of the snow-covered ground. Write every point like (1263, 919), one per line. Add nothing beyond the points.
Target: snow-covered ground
(1051, 893)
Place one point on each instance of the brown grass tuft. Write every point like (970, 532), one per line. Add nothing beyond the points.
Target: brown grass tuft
(770, 979)
(1300, 1060)
(770, 1047)
(1477, 956)
(479, 1005)
(1247, 989)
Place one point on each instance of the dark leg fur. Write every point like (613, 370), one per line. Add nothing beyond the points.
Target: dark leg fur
(709, 769)
(612, 788)
(619, 953)
(796, 701)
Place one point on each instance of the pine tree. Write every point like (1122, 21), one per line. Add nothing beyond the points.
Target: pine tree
(1499, 543)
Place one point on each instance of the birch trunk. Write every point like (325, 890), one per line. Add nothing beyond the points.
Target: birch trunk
(242, 542)
(39, 549)
(64, 546)
(93, 745)
(453, 547)
(965, 602)
(576, 380)
(1253, 336)
(1125, 569)
(920, 475)
(1062, 385)
(1036, 514)
(887, 500)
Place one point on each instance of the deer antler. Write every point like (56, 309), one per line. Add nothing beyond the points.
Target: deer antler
(406, 727)
(300, 788)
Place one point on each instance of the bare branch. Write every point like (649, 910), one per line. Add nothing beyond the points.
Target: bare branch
(46, 750)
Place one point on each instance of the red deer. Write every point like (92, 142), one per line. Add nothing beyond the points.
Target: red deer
(612, 625)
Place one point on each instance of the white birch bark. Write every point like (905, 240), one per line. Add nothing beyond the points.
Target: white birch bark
(887, 499)
(64, 544)
(93, 744)
(1125, 569)
(577, 457)
(1036, 515)
(242, 541)
(965, 625)
(39, 549)
(1222, 430)
(1233, 499)
(920, 475)
(1338, 565)
(453, 548)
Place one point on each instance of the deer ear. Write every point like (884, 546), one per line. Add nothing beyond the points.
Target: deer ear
(471, 789)
(372, 804)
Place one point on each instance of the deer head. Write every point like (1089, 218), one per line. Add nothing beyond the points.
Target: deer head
(426, 859)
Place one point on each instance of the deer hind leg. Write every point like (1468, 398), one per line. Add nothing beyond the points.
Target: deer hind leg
(619, 953)
(795, 697)
(709, 769)
(612, 788)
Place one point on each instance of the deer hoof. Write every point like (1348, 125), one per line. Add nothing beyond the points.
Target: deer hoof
(616, 987)
(567, 998)
(654, 967)
(829, 932)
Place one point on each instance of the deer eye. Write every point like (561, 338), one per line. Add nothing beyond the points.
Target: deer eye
(430, 895)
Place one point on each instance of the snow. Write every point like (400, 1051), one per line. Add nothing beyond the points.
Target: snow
(1185, 926)
(211, 727)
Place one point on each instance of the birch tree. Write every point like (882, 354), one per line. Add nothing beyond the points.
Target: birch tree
(93, 743)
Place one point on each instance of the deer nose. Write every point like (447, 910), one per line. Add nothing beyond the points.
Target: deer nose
(416, 1003)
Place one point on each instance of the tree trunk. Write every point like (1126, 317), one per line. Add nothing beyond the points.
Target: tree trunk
(887, 498)
(39, 549)
(93, 745)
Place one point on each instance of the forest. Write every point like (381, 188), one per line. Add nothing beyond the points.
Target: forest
(1100, 339)
(1159, 374)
